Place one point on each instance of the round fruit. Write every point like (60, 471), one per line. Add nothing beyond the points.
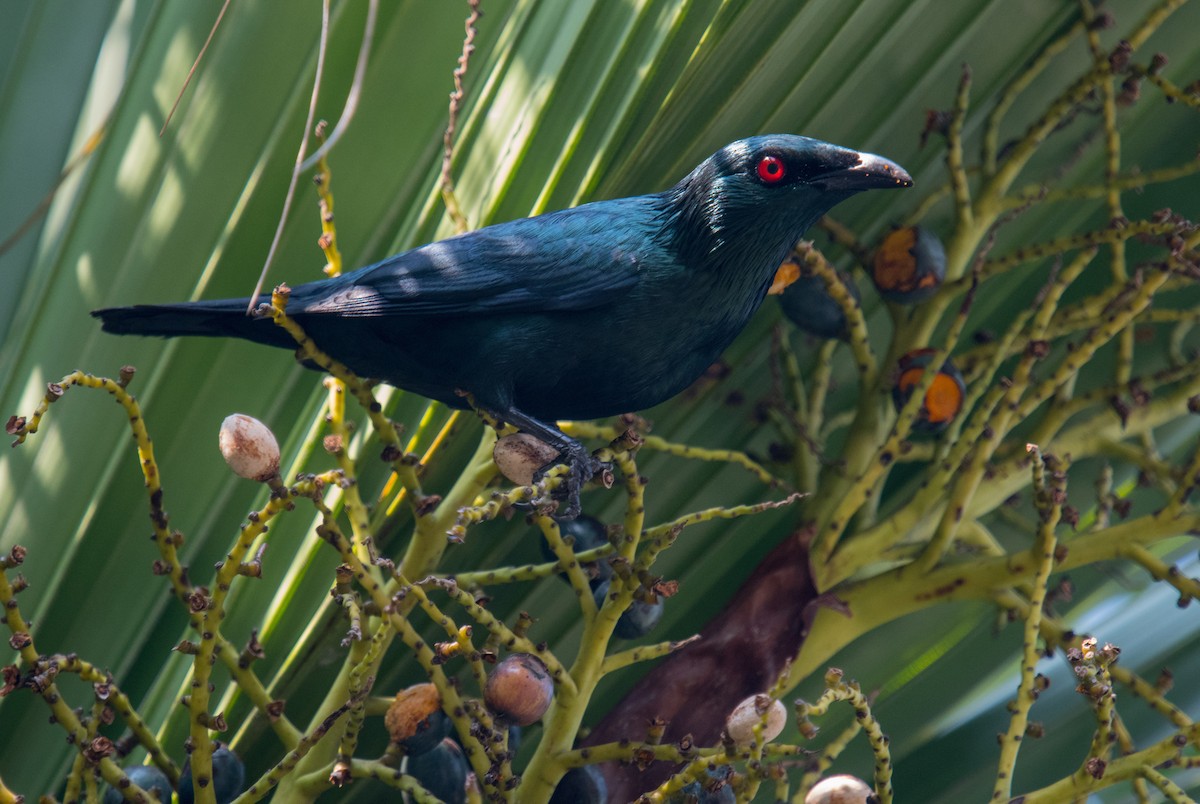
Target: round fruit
(807, 304)
(581, 786)
(415, 719)
(249, 447)
(519, 456)
(943, 400)
(740, 723)
(584, 533)
(840, 790)
(147, 777)
(519, 688)
(910, 265)
(229, 776)
(714, 790)
(637, 620)
(442, 771)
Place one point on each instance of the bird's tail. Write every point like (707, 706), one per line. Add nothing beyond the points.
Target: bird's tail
(224, 318)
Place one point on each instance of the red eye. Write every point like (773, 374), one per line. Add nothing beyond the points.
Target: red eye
(771, 170)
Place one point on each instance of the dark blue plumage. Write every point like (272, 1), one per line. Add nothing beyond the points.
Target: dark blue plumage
(606, 308)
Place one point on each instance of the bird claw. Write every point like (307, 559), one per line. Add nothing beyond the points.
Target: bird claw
(582, 466)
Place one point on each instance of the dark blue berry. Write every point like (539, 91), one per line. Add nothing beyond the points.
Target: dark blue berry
(583, 533)
(229, 776)
(581, 786)
(714, 790)
(442, 771)
(807, 304)
(637, 620)
(147, 777)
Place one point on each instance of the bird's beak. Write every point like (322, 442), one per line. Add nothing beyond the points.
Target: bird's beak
(871, 173)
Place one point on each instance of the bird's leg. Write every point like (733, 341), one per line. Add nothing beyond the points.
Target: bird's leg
(579, 460)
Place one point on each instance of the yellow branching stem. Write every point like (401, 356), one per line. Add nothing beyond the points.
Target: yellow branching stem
(166, 539)
(562, 722)
(456, 98)
(1047, 54)
(391, 608)
(875, 601)
(980, 364)
(485, 618)
(823, 761)
(106, 690)
(1173, 92)
(856, 326)
(1091, 663)
(424, 427)
(1112, 169)
(969, 473)
(698, 760)
(328, 240)
(1049, 488)
(210, 607)
(260, 788)
(74, 786)
(627, 751)
(1189, 588)
(838, 689)
(954, 153)
(337, 444)
(569, 563)
(1039, 194)
(1107, 236)
(1151, 694)
(644, 653)
(527, 572)
(659, 537)
(832, 525)
(659, 444)
(911, 524)
(96, 752)
(798, 415)
(367, 656)
(1119, 770)
(501, 503)
(980, 378)
(392, 777)
(1023, 149)
(1143, 292)
(1172, 791)
(403, 464)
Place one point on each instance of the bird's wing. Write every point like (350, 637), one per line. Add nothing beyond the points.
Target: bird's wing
(571, 260)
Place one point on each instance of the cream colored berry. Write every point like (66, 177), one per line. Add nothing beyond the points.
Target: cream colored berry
(842, 789)
(749, 713)
(249, 447)
(520, 455)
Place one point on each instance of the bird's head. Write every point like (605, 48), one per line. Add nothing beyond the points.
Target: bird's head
(764, 192)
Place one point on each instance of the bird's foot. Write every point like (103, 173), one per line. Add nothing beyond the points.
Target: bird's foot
(581, 467)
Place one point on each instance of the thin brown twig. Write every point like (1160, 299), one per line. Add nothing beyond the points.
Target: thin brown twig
(456, 99)
(211, 33)
(352, 97)
(89, 147)
(291, 191)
